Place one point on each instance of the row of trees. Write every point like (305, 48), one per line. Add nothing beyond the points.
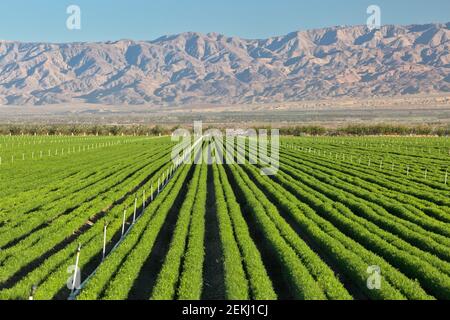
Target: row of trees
(386, 129)
(77, 130)
(368, 130)
(142, 130)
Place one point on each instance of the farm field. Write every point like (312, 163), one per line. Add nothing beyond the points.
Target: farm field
(338, 209)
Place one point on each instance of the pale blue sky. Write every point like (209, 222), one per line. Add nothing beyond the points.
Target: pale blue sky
(44, 20)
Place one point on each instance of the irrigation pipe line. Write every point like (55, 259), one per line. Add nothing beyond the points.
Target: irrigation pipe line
(76, 293)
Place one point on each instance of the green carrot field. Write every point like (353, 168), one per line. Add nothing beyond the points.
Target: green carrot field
(337, 207)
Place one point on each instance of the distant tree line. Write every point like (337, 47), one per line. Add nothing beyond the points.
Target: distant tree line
(368, 130)
(396, 130)
(90, 130)
(156, 130)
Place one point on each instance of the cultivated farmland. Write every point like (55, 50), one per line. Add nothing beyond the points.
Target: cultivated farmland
(338, 209)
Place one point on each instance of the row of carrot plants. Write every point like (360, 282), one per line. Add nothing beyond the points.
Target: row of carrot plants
(376, 185)
(39, 242)
(47, 240)
(94, 186)
(51, 276)
(349, 256)
(166, 283)
(116, 275)
(421, 265)
(245, 274)
(307, 276)
(385, 173)
(394, 216)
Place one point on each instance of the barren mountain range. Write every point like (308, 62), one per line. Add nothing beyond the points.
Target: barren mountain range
(192, 68)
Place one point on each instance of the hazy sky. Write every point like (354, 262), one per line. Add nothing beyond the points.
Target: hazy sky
(45, 20)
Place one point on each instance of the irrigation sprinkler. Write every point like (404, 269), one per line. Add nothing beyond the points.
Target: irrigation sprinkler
(151, 192)
(32, 292)
(143, 200)
(446, 177)
(135, 209)
(426, 173)
(104, 240)
(407, 171)
(123, 221)
(77, 260)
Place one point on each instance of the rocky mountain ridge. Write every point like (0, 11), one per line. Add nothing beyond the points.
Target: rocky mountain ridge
(192, 68)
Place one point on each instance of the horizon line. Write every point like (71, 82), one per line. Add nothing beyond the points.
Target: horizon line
(447, 23)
